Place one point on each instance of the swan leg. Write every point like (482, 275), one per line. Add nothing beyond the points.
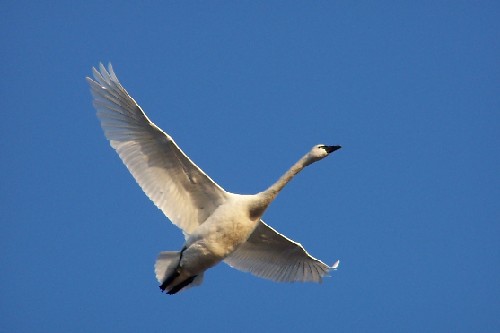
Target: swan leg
(175, 274)
(181, 285)
(170, 279)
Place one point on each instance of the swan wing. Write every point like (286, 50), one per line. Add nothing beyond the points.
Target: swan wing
(185, 194)
(271, 255)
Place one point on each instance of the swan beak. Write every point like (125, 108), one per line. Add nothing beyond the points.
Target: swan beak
(331, 149)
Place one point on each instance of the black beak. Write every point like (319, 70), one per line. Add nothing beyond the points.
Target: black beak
(331, 149)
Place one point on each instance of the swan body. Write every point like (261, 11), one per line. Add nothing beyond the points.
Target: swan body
(217, 225)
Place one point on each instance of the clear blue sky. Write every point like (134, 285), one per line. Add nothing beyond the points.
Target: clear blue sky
(410, 205)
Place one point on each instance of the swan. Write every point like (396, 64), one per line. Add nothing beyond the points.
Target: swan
(217, 225)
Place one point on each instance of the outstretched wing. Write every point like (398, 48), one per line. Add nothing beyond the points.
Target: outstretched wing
(271, 255)
(185, 194)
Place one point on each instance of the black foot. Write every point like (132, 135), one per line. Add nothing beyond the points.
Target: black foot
(181, 285)
(170, 279)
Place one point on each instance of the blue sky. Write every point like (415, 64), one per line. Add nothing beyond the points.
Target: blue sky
(409, 205)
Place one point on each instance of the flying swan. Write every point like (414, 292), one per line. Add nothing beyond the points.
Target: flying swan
(217, 225)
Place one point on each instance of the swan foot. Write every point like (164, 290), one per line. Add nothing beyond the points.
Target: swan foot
(181, 285)
(170, 279)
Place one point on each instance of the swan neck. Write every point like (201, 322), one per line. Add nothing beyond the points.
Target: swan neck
(274, 189)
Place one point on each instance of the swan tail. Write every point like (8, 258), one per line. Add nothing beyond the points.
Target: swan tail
(166, 265)
(170, 275)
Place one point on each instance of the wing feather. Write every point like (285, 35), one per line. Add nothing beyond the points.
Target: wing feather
(185, 194)
(271, 255)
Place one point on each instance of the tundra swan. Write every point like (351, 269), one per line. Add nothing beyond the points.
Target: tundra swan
(217, 225)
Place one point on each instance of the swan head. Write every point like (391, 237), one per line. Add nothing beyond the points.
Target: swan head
(319, 152)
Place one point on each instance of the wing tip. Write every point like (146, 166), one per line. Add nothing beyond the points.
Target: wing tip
(335, 265)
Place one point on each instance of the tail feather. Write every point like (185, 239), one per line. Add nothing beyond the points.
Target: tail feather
(166, 263)
(170, 275)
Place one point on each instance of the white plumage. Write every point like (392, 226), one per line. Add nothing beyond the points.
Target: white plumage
(217, 225)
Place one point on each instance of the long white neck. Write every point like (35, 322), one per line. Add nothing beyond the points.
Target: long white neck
(263, 199)
(270, 194)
